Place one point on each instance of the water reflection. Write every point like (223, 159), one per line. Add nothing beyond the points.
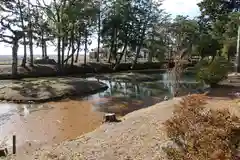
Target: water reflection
(123, 97)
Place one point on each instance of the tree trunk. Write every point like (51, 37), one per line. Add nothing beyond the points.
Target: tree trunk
(140, 45)
(31, 46)
(68, 51)
(99, 36)
(58, 38)
(121, 56)
(115, 47)
(72, 44)
(63, 51)
(109, 56)
(112, 46)
(85, 47)
(42, 45)
(30, 35)
(125, 57)
(78, 50)
(150, 52)
(24, 60)
(45, 47)
(150, 57)
(59, 52)
(43, 51)
(73, 51)
(237, 62)
(69, 47)
(15, 58)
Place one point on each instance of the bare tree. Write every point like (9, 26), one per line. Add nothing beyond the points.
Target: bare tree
(12, 39)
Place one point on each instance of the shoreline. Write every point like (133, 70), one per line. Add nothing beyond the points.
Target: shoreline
(45, 90)
(81, 70)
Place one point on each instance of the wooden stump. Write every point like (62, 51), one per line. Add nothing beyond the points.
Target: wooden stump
(110, 117)
(3, 152)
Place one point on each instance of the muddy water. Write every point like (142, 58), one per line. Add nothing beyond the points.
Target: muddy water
(51, 123)
(58, 121)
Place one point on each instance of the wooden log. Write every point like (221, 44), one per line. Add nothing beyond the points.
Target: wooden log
(3, 152)
(14, 144)
(110, 117)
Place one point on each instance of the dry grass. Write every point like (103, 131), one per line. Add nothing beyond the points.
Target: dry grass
(200, 133)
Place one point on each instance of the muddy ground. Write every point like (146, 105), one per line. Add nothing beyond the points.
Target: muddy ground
(46, 89)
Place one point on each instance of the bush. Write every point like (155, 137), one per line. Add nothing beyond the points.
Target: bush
(199, 133)
(212, 73)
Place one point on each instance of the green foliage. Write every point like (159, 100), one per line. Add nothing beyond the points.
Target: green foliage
(212, 72)
(229, 48)
(207, 46)
(220, 22)
(186, 32)
(125, 27)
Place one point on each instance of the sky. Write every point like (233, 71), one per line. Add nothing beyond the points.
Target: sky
(182, 7)
(174, 7)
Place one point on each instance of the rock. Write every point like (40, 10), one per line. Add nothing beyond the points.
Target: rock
(165, 98)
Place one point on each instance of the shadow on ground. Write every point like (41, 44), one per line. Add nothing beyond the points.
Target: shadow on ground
(49, 89)
(225, 91)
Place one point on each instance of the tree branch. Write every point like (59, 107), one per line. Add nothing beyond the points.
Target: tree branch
(5, 41)
(6, 25)
(6, 36)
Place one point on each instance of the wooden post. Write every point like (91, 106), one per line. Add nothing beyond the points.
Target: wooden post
(14, 144)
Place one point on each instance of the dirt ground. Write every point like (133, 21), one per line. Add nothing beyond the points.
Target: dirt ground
(46, 89)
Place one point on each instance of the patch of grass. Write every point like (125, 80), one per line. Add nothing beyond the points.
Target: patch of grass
(199, 133)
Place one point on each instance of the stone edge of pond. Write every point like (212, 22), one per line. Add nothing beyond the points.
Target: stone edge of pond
(69, 94)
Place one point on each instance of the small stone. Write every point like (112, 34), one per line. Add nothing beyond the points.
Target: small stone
(165, 98)
(62, 157)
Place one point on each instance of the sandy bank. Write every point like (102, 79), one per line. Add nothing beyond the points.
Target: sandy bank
(139, 136)
(47, 89)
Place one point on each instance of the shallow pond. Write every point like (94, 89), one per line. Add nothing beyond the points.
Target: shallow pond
(49, 123)
(124, 96)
